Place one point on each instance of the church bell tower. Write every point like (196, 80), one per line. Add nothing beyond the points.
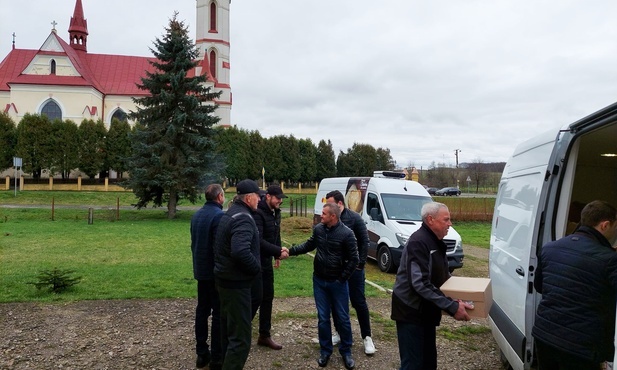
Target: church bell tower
(212, 39)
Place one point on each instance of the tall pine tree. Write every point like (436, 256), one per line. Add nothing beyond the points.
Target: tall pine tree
(172, 153)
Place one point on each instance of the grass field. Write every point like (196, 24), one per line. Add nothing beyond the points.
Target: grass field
(141, 255)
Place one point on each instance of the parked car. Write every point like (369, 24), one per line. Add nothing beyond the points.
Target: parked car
(432, 191)
(448, 191)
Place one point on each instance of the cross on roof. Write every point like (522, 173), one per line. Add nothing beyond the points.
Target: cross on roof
(54, 23)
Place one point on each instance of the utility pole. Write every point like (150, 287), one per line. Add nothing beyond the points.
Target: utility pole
(456, 151)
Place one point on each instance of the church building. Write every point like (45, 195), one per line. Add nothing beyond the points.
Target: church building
(63, 80)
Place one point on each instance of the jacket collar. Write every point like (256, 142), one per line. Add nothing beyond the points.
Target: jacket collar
(595, 234)
(213, 203)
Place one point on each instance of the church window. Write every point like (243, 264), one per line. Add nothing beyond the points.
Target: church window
(119, 115)
(53, 67)
(213, 17)
(52, 110)
(213, 63)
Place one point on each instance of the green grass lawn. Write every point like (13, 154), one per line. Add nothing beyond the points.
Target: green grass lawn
(143, 255)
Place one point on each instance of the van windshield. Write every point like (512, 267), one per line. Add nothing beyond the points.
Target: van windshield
(404, 207)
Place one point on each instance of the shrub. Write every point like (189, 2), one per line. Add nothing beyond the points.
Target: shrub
(56, 280)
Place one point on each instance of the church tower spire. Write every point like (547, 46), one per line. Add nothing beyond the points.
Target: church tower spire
(212, 40)
(78, 29)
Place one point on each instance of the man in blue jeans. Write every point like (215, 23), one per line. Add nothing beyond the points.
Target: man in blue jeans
(356, 282)
(335, 261)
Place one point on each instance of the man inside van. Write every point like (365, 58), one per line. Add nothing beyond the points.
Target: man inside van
(417, 301)
(356, 282)
(577, 277)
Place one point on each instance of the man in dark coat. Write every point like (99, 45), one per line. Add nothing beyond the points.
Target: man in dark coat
(203, 230)
(417, 301)
(236, 269)
(268, 220)
(335, 260)
(577, 277)
(356, 283)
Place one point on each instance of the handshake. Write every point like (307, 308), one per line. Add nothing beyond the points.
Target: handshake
(284, 253)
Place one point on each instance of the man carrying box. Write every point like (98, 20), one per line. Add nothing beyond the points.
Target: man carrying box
(417, 301)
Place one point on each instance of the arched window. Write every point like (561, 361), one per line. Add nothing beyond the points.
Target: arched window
(52, 110)
(120, 115)
(53, 67)
(212, 17)
(213, 63)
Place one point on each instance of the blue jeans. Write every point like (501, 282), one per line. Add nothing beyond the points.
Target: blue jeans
(332, 295)
(358, 301)
(417, 346)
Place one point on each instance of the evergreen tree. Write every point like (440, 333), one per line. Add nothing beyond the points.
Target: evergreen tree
(8, 139)
(91, 147)
(34, 143)
(232, 144)
(326, 164)
(308, 160)
(118, 146)
(65, 153)
(173, 151)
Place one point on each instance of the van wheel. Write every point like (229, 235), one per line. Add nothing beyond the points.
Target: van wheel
(384, 259)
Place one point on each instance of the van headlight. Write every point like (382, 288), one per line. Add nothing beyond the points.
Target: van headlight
(459, 245)
(402, 238)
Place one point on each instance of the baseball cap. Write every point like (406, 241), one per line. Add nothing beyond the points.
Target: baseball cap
(246, 187)
(276, 191)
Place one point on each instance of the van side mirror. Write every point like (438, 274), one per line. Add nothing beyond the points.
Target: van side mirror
(375, 216)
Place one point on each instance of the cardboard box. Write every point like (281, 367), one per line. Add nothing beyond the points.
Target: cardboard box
(476, 290)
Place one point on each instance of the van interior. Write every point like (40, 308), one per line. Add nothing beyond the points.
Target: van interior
(590, 174)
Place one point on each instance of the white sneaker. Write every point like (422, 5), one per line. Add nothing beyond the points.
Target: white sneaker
(336, 339)
(369, 347)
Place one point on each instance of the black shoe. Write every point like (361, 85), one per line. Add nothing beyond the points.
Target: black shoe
(202, 361)
(349, 362)
(322, 361)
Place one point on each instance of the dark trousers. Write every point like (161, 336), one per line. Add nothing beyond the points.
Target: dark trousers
(332, 296)
(550, 358)
(358, 302)
(417, 346)
(235, 326)
(208, 304)
(265, 308)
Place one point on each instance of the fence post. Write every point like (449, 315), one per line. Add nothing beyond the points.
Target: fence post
(79, 183)
(53, 208)
(118, 209)
(51, 183)
(90, 216)
(106, 183)
(8, 183)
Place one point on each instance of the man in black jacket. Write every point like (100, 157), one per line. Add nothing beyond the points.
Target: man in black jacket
(268, 220)
(335, 260)
(356, 282)
(203, 230)
(577, 277)
(417, 301)
(236, 269)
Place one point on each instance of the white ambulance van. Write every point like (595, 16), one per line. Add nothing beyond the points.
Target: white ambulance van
(544, 186)
(390, 207)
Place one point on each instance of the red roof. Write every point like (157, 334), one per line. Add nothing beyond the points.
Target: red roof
(109, 74)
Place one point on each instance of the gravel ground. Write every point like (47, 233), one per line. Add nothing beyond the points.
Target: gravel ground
(158, 334)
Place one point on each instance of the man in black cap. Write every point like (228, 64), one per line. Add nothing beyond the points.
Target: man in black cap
(268, 220)
(236, 267)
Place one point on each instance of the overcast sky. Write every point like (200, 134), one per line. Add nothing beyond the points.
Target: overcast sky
(422, 78)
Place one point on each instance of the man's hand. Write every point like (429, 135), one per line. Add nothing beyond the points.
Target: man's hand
(284, 253)
(461, 314)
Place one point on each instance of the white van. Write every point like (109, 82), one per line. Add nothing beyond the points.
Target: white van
(390, 207)
(543, 188)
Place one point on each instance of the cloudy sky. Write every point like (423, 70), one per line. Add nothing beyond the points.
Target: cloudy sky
(422, 78)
